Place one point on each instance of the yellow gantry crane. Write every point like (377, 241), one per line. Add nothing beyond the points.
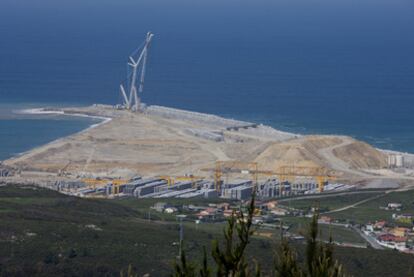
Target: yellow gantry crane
(116, 183)
(289, 173)
(171, 180)
(233, 167)
(94, 183)
(283, 173)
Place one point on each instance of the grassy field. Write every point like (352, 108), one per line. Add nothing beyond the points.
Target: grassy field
(363, 213)
(143, 206)
(43, 233)
(338, 233)
(370, 211)
(330, 202)
(42, 230)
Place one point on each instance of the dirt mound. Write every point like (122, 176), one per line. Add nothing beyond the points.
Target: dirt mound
(343, 152)
(315, 143)
(361, 155)
(298, 152)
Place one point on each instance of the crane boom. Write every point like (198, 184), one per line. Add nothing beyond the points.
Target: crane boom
(133, 101)
(127, 103)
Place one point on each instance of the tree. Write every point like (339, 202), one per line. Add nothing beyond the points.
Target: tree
(319, 257)
(72, 253)
(130, 272)
(285, 264)
(231, 260)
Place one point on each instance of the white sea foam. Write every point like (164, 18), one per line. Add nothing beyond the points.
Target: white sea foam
(43, 111)
(38, 111)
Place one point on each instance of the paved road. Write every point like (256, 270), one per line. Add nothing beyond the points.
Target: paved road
(337, 163)
(358, 203)
(374, 244)
(369, 239)
(342, 166)
(368, 199)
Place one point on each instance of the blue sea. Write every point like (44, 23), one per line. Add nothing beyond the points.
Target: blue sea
(305, 66)
(21, 134)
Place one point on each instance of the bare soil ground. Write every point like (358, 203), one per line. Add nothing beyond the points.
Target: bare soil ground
(151, 145)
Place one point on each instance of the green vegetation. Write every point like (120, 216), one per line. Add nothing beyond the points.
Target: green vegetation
(371, 211)
(142, 206)
(44, 233)
(362, 213)
(329, 202)
(340, 234)
(230, 259)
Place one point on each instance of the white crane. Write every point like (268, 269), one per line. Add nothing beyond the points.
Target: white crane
(133, 101)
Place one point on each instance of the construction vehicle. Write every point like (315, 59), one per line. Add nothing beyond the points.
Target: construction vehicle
(62, 171)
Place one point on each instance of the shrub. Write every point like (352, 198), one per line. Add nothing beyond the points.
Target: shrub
(230, 260)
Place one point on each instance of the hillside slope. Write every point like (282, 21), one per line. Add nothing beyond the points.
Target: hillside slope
(335, 152)
(43, 233)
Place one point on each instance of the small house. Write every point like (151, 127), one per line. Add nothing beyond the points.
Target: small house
(394, 206)
(325, 220)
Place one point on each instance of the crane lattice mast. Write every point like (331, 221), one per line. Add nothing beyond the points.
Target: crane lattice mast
(133, 101)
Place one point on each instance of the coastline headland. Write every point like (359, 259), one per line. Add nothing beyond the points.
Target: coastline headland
(163, 141)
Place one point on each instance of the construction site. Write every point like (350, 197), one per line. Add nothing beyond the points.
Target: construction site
(148, 151)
